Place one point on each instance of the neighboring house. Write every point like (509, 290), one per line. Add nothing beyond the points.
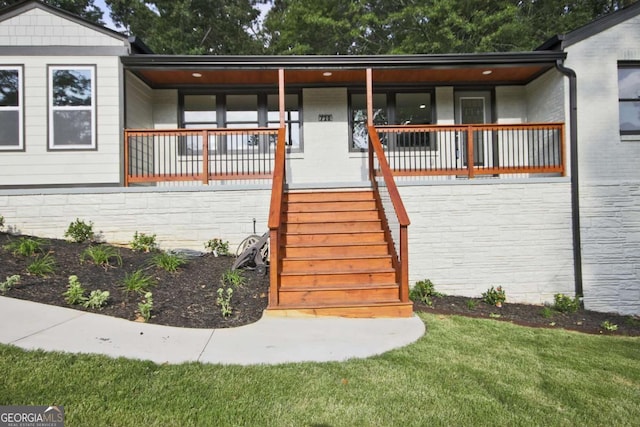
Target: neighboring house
(514, 169)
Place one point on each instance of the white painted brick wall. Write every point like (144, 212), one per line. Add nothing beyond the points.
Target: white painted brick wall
(468, 237)
(609, 172)
(180, 219)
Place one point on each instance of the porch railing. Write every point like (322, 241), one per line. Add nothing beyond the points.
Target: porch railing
(395, 218)
(275, 217)
(471, 150)
(156, 155)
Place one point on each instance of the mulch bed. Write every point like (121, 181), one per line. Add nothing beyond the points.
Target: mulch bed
(187, 298)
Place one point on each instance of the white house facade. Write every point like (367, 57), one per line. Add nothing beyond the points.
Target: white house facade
(513, 169)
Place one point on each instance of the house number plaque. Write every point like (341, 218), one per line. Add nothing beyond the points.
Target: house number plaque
(325, 117)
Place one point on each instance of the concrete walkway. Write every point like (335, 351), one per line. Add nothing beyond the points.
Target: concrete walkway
(271, 340)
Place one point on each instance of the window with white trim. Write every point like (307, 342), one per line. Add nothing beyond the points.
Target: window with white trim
(629, 99)
(72, 109)
(11, 111)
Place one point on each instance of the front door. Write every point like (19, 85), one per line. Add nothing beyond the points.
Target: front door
(473, 107)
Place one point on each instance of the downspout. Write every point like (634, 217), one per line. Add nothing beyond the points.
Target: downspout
(575, 188)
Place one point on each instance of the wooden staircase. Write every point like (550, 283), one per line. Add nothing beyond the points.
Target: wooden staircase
(335, 259)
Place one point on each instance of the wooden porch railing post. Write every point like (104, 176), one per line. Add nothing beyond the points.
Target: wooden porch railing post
(372, 175)
(205, 157)
(470, 151)
(404, 262)
(127, 167)
(562, 151)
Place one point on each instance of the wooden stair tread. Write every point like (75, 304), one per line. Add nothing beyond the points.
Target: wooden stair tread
(360, 286)
(337, 272)
(344, 304)
(329, 245)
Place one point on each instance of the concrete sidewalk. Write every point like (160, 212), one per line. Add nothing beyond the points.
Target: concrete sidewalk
(271, 340)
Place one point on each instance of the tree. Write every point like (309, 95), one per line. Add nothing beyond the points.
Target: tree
(83, 8)
(423, 26)
(190, 26)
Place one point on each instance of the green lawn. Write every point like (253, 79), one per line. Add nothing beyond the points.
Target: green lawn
(462, 372)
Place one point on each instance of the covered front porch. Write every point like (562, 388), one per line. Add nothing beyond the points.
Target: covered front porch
(341, 123)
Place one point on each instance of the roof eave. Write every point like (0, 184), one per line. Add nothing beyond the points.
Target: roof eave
(336, 61)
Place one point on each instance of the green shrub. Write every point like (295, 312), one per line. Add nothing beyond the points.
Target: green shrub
(75, 292)
(143, 243)
(546, 312)
(145, 307)
(9, 283)
(25, 246)
(224, 301)
(79, 231)
(608, 326)
(565, 304)
(424, 291)
(42, 266)
(1, 222)
(218, 247)
(233, 278)
(495, 296)
(101, 255)
(168, 261)
(471, 304)
(97, 299)
(138, 282)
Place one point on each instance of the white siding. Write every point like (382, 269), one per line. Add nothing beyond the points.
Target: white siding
(139, 110)
(36, 165)
(37, 27)
(609, 172)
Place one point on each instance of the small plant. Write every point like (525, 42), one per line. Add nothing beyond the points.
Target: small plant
(218, 247)
(632, 321)
(42, 266)
(75, 292)
(9, 283)
(79, 231)
(168, 261)
(608, 326)
(495, 296)
(471, 304)
(1, 222)
(97, 299)
(233, 278)
(145, 307)
(424, 291)
(546, 312)
(138, 282)
(101, 255)
(224, 301)
(143, 243)
(25, 246)
(495, 315)
(565, 304)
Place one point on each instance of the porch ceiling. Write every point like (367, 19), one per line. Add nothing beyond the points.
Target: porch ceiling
(468, 69)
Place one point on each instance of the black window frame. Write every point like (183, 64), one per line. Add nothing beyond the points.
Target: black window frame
(391, 114)
(621, 100)
(263, 110)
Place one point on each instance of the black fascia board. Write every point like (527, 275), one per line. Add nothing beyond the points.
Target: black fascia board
(188, 62)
